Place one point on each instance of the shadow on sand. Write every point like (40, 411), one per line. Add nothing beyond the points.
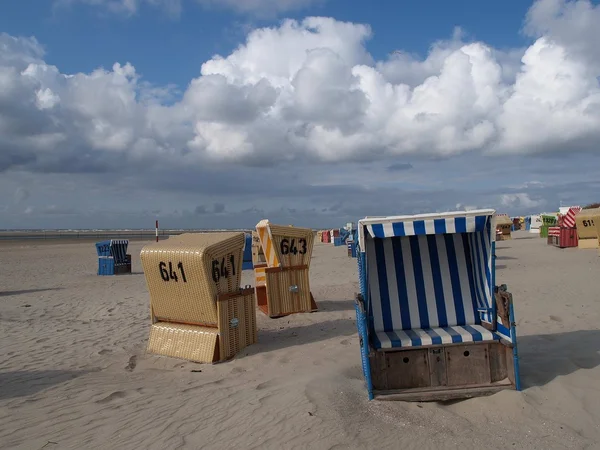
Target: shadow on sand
(27, 291)
(505, 258)
(21, 383)
(269, 340)
(542, 358)
(335, 305)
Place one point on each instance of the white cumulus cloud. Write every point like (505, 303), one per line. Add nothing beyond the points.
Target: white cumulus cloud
(309, 90)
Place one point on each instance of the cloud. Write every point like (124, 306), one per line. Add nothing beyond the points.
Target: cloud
(520, 200)
(21, 194)
(307, 91)
(218, 208)
(303, 110)
(397, 167)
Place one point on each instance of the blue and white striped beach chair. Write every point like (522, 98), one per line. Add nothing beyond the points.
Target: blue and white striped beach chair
(113, 258)
(432, 324)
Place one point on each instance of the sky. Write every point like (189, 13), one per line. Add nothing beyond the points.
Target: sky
(216, 114)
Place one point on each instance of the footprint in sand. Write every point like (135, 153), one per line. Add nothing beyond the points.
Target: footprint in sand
(104, 351)
(345, 342)
(238, 370)
(131, 364)
(556, 318)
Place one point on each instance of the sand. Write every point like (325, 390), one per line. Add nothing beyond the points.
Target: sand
(74, 372)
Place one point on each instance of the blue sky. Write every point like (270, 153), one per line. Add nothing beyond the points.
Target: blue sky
(165, 49)
(308, 115)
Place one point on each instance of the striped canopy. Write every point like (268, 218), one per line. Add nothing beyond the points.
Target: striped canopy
(422, 224)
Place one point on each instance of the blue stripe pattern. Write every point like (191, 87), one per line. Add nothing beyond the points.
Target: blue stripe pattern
(118, 250)
(431, 226)
(433, 336)
(430, 287)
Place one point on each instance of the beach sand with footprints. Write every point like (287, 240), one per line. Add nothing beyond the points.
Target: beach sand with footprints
(74, 373)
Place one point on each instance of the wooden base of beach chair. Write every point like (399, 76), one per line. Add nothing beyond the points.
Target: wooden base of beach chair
(436, 373)
(285, 291)
(208, 344)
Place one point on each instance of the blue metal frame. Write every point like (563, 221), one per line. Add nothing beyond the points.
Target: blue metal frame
(513, 335)
(494, 307)
(362, 308)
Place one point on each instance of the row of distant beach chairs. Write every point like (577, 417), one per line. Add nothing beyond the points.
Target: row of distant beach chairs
(432, 323)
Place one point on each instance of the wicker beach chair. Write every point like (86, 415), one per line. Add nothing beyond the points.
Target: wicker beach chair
(504, 224)
(198, 310)
(432, 324)
(587, 232)
(282, 282)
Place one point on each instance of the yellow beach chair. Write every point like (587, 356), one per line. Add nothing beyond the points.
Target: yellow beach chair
(199, 312)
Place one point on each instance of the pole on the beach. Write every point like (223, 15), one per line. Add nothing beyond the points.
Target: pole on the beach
(156, 230)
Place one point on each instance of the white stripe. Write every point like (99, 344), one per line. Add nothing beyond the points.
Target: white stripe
(388, 229)
(475, 243)
(488, 263)
(409, 274)
(404, 338)
(390, 267)
(446, 337)
(504, 336)
(486, 334)
(371, 232)
(428, 282)
(446, 280)
(384, 339)
(425, 338)
(470, 224)
(429, 227)
(464, 278)
(409, 229)
(450, 226)
(465, 335)
(373, 279)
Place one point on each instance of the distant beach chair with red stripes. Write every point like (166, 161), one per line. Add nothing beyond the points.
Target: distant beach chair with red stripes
(564, 233)
(432, 323)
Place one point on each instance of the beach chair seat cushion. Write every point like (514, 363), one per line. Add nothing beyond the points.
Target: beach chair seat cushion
(419, 337)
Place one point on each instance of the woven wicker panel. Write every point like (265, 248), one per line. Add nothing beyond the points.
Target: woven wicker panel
(505, 228)
(283, 300)
(183, 341)
(237, 323)
(186, 273)
(250, 311)
(293, 246)
(585, 222)
(503, 220)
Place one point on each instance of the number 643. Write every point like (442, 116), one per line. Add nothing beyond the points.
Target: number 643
(288, 247)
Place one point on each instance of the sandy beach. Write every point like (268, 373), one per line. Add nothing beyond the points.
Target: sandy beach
(74, 373)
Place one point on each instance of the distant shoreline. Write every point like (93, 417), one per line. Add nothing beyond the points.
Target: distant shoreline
(27, 235)
(18, 235)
